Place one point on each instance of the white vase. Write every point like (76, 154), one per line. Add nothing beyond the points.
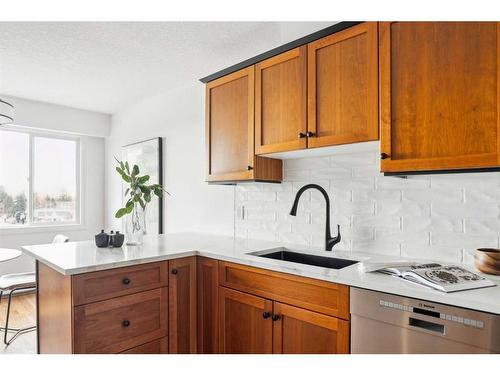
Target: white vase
(135, 225)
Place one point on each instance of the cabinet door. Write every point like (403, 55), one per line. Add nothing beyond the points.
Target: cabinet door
(230, 126)
(439, 95)
(280, 102)
(343, 87)
(245, 325)
(208, 297)
(182, 305)
(300, 331)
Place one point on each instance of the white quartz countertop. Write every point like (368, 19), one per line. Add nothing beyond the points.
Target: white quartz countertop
(79, 257)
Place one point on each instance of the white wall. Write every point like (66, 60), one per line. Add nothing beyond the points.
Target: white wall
(37, 115)
(178, 117)
(440, 217)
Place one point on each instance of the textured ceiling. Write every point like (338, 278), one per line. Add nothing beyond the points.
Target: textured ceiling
(105, 66)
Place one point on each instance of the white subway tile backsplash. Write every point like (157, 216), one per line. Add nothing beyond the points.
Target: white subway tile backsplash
(261, 196)
(438, 217)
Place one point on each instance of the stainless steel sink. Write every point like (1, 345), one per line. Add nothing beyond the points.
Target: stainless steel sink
(309, 259)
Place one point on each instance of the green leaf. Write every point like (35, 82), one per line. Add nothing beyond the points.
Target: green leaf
(135, 170)
(145, 189)
(126, 167)
(147, 197)
(130, 209)
(121, 212)
(126, 191)
(124, 176)
(119, 162)
(130, 203)
(143, 179)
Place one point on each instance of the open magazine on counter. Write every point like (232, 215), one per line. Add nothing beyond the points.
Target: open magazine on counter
(446, 278)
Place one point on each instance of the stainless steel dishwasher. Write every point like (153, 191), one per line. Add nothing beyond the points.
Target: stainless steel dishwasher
(386, 323)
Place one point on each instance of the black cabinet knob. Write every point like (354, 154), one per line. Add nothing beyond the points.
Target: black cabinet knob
(275, 317)
(383, 156)
(249, 168)
(174, 271)
(126, 323)
(309, 134)
(266, 314)
(302, 135)
(126, 281)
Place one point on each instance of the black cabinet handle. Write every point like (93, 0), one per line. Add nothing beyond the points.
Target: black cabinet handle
(302, 135)
(275, 317)
(249, 168)
(126, 281)
(174, 271)
(309, 134)
(383, 156)
(126, 323)
(266, 314)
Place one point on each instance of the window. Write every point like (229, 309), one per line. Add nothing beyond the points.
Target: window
(39, 179)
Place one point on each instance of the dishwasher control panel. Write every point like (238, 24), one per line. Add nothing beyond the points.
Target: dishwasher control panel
(452, 318)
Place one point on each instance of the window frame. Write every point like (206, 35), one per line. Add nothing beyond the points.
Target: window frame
(39, 227)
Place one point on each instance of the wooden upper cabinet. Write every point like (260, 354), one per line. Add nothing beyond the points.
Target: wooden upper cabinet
(439, 85)
(343, 87)
(230, 132)
(281, 102)
(230, 126)
(300, 331)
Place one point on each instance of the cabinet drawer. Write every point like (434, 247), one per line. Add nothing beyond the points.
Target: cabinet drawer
(321, 296)
(121, 323)
(102, 285)
(154, 347)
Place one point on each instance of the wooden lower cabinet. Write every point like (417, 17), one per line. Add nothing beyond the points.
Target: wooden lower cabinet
(190, 305)
(207, 280)
(300, 331)
(245, 324)
(120, 323)
(182, 305)
(253, 325)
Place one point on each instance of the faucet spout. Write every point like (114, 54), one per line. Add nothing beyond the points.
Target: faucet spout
(329, 240)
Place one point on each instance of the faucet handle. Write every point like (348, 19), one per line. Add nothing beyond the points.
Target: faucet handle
(338, 238)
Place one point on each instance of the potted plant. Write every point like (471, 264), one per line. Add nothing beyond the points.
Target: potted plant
(138, 194)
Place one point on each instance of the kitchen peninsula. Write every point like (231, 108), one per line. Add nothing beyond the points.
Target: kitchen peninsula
(190, 292)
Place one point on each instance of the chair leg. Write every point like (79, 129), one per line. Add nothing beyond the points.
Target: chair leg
(7, 318)
(7, 329)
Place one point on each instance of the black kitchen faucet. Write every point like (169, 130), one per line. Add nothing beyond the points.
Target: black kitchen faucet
(330, 241)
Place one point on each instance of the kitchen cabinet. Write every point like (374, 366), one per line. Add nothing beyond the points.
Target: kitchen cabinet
(182, 305)
(439, 86)
(281, 102)
(229, 132)
(255, 325)
(263, 311)
(343, 87)
(115, 325)
(300, 331)
(190, 305)
(245, 323)
(208, 298)
(118, 310)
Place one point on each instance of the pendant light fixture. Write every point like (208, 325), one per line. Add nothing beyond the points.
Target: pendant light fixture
(6, 113)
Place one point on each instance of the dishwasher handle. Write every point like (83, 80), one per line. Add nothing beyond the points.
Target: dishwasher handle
(428, 326)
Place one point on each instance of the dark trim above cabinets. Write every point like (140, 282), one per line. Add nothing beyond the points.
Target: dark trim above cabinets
(286, 47)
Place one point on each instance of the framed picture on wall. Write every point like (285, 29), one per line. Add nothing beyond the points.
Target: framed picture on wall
(148, 155)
